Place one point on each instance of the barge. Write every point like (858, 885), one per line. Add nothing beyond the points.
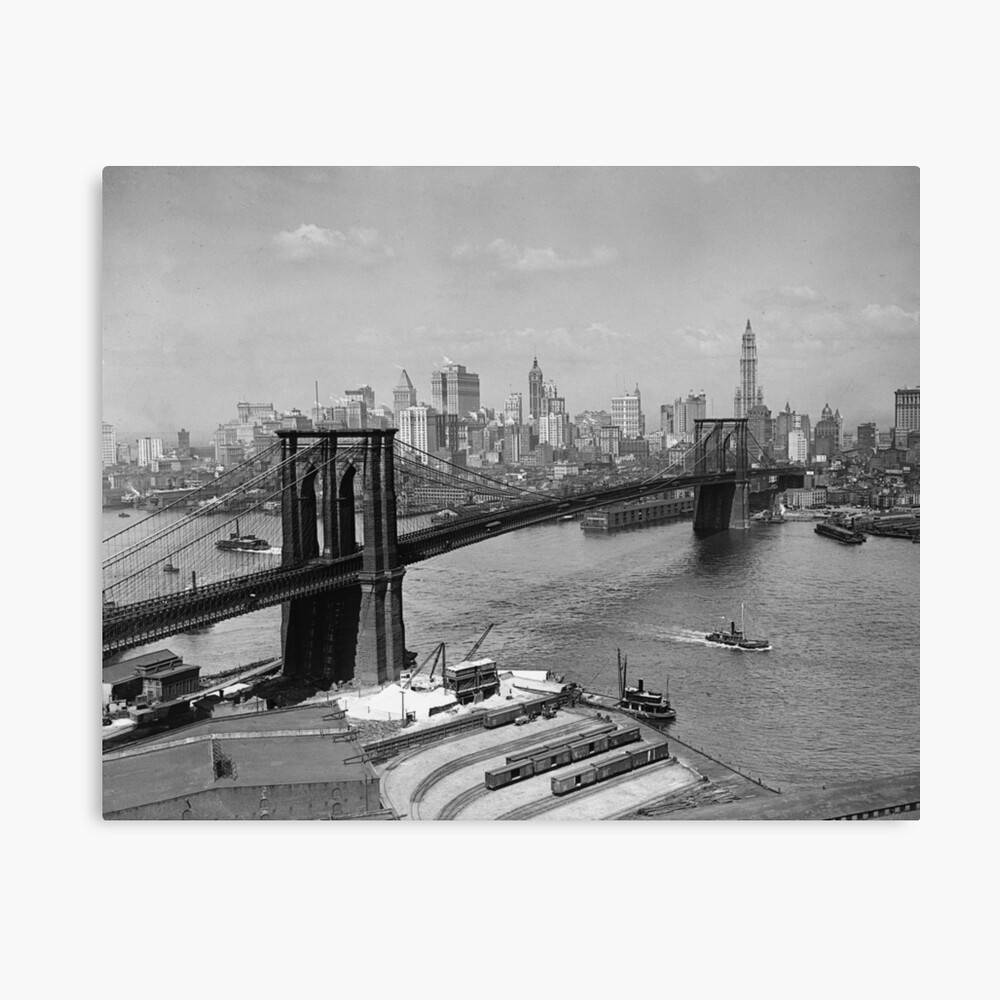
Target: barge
(846, 536)
(635, 514)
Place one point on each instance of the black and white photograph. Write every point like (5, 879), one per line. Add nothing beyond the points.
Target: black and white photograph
(509, 419)
(510, 493)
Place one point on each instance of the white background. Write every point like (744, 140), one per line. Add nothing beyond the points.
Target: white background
(797, 910)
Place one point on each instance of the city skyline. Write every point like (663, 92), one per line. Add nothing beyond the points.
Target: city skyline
(611, 276)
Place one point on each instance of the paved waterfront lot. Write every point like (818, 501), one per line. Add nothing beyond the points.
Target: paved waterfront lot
(605, 800)
(449, 776)
(402, 777)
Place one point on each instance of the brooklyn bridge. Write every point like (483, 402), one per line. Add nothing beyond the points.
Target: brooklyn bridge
(352, 509)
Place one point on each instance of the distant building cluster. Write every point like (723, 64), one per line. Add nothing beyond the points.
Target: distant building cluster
(532, 435)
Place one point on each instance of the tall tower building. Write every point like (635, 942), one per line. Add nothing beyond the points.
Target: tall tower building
(183, 443)
(626, 412)
(535, 391)
(455, 390)
(513, 409)
(364, 393)
(908, 409)
(150, 449)
(403, 393)
(748, 393)
(109, 445)
(416, 428)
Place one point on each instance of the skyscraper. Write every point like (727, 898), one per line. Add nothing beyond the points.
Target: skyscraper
(748, 393)
(626, 412)
(535, 391)
(512, 409)
(403, 394)
(908, 409)
(455, 390)
(109, 445)
(365, 393)
(150, 449)
(416, 428)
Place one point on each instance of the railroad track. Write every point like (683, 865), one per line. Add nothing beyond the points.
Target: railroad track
(439, 773)
(531, 809)
(460, 802)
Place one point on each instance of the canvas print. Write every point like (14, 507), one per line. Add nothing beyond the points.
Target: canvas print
(510, 493)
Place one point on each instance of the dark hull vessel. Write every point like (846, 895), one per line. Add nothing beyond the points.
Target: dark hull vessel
(242, 543)
(736, 638)
(650, 706)
(846, 536)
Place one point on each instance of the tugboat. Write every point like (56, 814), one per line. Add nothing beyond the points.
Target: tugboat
(650, 706)
(242, 543)
(123, 514)
(736, 637)
(169, 567)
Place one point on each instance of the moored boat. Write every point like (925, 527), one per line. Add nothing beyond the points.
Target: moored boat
(846, 536)
(650, 706)
(770, 516)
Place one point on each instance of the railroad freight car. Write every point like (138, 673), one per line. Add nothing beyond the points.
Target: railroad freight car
(647, 754)
(528, 754)
(509, 773)
(581, 749)
(618, 764)
(623, 737)
(502, 716)
(532, 709)
(554, 757)
(563, 783)
(632, 758)
(587, 734)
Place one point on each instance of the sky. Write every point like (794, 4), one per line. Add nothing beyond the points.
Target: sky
(246, 283)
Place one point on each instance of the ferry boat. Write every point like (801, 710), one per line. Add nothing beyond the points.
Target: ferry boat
(846, 536)
(736, 637)
(123, 514)
(650, 706)
(242, 543)
(169, 567)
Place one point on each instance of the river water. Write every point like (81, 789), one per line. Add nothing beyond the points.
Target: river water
(837, 698)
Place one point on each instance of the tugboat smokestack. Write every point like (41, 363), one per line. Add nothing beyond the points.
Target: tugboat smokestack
(640, 685)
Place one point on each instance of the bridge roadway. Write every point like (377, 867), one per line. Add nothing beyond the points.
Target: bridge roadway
(141, 622)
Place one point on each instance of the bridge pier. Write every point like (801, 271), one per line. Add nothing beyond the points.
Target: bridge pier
(381, 647)
(722, 450)
(355, 632)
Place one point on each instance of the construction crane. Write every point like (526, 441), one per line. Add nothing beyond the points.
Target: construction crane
(475, 649)
(438, 653)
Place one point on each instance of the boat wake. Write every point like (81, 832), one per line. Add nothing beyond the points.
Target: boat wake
(687, 635)
(698, 639)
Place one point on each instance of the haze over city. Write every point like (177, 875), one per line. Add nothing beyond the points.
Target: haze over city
(223, 284)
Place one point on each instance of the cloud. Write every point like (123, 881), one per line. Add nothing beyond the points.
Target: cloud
(511, 257)
(703, 343)
(801, 293)
(891, 319)
(309, 242)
